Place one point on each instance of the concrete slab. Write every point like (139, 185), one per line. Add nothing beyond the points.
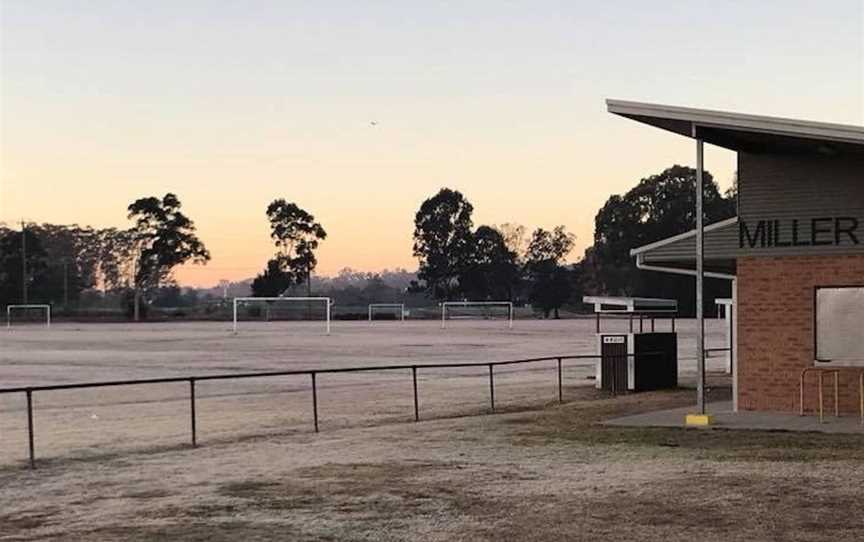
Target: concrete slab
(725, 418)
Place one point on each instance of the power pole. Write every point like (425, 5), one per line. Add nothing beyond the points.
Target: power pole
(65, 285)
(23, 263)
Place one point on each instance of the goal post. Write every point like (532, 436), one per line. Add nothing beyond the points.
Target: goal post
(507, 304)
(397, 306)
(246, 300)
(10, 308)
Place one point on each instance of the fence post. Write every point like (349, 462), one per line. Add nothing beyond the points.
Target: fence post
(416, 400)
(491, 388)
(314, 400)
(30, 428)
(560, 383)
(192, 411)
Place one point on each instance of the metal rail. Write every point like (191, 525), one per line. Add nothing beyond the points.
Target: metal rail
(822, 371)
(29, 391)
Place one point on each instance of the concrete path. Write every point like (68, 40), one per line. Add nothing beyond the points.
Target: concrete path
(724, 418)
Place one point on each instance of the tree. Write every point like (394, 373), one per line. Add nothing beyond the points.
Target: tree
(442, 242)
(552, 245)
(163, 238)
(12, 274)
(115, 259)
(72, 259)
(492, 272)
(296, 235)
(551, 282)
(272, 281)
(660, 206)
(514, 238)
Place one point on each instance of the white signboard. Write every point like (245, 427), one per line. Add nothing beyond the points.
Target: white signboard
(840, 326)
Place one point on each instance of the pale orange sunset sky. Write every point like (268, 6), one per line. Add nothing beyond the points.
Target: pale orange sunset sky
(233, 104)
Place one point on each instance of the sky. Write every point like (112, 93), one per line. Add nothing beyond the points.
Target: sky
(231, 104)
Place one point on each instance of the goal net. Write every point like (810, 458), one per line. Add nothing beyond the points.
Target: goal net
(387, 311)
(273, 309)
(477, 310)
(28, 314)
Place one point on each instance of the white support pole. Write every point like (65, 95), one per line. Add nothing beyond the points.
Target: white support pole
(734, 345)
(700, 278)
(235, 315)
(727, 319)
(327, 302)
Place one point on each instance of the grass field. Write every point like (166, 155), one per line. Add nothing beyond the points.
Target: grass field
(552, 473)
(114, 464)
(80, 423)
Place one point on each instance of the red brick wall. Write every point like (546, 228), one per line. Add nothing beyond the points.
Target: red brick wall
(775, 329)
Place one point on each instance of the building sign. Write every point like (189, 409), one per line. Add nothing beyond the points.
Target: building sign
(814, 232)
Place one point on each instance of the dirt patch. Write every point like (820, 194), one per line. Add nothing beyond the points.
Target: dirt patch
(26, 520)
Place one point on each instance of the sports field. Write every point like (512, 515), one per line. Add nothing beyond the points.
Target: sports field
(100, 421)
(114, 464)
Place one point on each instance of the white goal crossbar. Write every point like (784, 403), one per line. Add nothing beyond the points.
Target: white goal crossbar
(507, 304)
(400, 306)
(28, 306)
(325, 300)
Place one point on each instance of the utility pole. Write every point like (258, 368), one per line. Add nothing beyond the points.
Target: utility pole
(65, 285)
(23, 263)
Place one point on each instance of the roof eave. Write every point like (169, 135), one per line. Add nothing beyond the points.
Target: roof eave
(689, 120)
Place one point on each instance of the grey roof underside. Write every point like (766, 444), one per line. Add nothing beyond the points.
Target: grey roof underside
(679, 251)
(749, 133)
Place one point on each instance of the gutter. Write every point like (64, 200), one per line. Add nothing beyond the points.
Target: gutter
(640, 264)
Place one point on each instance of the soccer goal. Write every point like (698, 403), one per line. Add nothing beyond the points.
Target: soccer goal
(396, 309)
(474, 310)
(267, 306)
(31, 313)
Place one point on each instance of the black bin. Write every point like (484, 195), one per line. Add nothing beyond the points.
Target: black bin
(638, 362)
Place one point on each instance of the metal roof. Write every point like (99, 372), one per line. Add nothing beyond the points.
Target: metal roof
(677, 254)
(744, 132)
(631, 304)
(729, 222)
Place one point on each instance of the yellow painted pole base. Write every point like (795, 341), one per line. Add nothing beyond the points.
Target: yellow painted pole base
(699, 420)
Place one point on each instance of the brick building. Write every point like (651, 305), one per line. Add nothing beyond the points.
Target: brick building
(794, 253)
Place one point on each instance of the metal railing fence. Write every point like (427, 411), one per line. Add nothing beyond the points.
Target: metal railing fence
(313, 374)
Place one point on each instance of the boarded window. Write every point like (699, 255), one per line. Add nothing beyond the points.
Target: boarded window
(840, 326)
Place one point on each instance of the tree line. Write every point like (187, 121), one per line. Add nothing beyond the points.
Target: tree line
(61, 264)
(457, 261)
(489, 263)
(58, 264)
